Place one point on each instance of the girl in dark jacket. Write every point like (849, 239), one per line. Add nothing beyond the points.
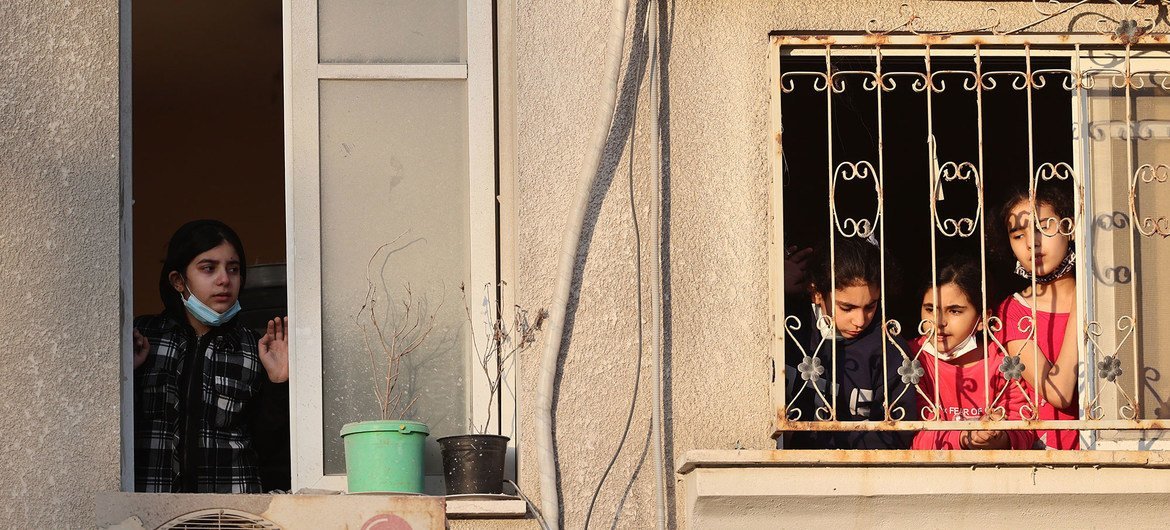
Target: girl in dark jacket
(845, 288)
(197, 370)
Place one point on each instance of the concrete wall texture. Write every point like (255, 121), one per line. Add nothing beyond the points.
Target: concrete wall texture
(718, 173)
(59, 207)
(59, 295)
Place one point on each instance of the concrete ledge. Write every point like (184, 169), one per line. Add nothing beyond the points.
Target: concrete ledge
(150, 510)
(133, 511)
(790, 457)
(486, 508)
(769, 489)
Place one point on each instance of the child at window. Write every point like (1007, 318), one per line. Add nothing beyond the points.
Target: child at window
(952, 315)
(198, 371)
(845, 302)
(1038, 323)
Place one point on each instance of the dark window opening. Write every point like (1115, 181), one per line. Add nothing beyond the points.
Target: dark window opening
(208, 142)
(907, 159)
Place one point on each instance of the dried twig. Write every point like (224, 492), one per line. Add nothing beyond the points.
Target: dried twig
(395, 341)
(500, 347)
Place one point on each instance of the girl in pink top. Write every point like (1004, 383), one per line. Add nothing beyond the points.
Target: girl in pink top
(970, 385)
(1038, 326)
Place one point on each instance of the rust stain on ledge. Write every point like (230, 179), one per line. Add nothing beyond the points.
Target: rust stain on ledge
(783, 424)
(966, 39)
(704, 458)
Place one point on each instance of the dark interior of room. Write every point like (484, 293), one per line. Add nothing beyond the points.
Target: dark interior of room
(907, 162)
(208, 142)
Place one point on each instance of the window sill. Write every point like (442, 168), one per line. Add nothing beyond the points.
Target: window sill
(502, 507)
(742, 489)
(716, 458)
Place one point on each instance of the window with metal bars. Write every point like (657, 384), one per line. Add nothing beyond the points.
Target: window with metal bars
(915, 142)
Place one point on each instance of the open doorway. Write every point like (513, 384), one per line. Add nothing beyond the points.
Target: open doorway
(208, 143)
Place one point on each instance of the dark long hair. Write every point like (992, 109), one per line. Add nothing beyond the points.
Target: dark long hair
(190, 240)
(858, 262)
(1054, 196)
(963, 271)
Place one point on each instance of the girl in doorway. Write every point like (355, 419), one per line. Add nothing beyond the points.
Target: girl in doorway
(1039, 326)
(845, 291)
(197, 370)
(967, 381)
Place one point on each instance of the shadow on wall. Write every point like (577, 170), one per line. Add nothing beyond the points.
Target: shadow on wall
(622, 129)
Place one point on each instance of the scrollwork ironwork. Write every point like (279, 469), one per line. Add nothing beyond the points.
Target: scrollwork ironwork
(848, 171)
(1148, 226)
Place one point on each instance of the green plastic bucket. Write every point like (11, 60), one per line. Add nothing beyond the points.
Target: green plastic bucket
(384, 455)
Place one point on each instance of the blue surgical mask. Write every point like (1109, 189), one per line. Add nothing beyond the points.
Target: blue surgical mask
(206, 314)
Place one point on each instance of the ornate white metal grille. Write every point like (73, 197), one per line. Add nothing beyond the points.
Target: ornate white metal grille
(1125, 56)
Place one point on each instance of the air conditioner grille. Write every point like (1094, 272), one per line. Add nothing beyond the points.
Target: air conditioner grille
(221, 519)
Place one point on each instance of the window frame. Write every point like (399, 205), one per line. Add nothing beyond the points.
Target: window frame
(303, 74)
(125, 237)
(917, 45)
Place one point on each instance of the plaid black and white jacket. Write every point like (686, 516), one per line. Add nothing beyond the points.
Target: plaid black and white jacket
(194, 436)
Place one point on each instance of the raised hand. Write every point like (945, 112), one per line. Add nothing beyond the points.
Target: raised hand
(795, 263)
(274, 350)
(141, 349)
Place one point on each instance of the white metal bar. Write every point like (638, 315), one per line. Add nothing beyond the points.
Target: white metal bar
(409, 71)
(776, 247)
(1035, 220)
(987, 407)
(1085, 386)
(831, 288)
(916, 52)
(716, 458)
(1130, 132)
(481, 251)
(881, 177)
(303, 232)
(932, 177)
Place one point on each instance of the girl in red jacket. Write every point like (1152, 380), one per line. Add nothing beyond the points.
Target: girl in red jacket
(964, 378)
(1039, 322)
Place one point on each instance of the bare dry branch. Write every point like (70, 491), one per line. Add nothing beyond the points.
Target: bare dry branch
(403, 335)
(499, 348)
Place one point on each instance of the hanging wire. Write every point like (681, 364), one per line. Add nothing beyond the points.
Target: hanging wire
(638, 296)
(535, 511)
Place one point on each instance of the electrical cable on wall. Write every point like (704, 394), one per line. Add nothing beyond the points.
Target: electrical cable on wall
(535, 511)
(638, 298)
(654, 432)
(617, 514)
(656, 413)
(570, 244)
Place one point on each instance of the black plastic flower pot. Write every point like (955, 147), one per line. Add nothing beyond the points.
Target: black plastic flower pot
(474, 463)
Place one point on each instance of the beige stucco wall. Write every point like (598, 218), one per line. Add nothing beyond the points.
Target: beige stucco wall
(719, 176)
(59, 296)
(59, 242)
